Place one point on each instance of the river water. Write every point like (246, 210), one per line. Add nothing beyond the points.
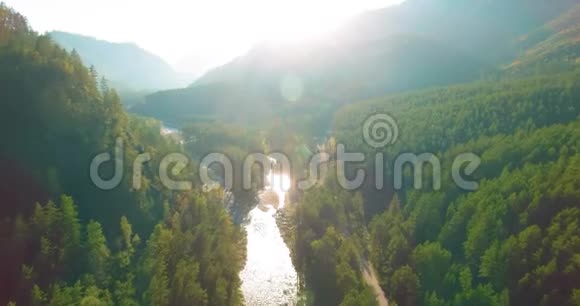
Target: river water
(269, 278)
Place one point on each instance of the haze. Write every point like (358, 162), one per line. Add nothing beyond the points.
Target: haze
(194, 35)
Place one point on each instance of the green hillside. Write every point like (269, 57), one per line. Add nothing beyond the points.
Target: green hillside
(511, 242)
(494, 81)
(67, 242)
(416, 45)
(133, 71)
(553, 47)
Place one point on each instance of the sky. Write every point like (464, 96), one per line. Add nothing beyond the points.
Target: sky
(193, 35)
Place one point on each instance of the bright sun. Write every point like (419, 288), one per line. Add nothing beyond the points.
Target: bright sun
(296, 20)
(301, 21)
(195, 35)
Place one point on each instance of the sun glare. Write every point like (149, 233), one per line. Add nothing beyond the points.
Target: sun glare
(298, 20)
(196, 35)
(301, 23)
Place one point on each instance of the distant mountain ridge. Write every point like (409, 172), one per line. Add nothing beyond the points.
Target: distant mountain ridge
(553, 47)
(483, 27)
(417, 44)
(126, 65)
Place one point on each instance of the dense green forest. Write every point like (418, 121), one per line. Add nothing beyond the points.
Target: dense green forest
(465, 85)
(512, 242)
(133, 72)
(91, 247)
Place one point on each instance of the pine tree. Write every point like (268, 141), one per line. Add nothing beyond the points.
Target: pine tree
(97, 251)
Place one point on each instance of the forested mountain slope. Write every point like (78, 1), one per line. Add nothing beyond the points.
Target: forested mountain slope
(274, 77)
(552, 47)
(513, 241)
(486, 29)
(415, 45)
(126, 246)
(134, 72)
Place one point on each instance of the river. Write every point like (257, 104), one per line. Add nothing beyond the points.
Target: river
(269, 278)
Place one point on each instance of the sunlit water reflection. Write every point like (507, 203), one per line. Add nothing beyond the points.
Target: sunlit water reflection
(269, 278)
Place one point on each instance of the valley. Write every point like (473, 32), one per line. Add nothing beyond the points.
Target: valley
(496, 81)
